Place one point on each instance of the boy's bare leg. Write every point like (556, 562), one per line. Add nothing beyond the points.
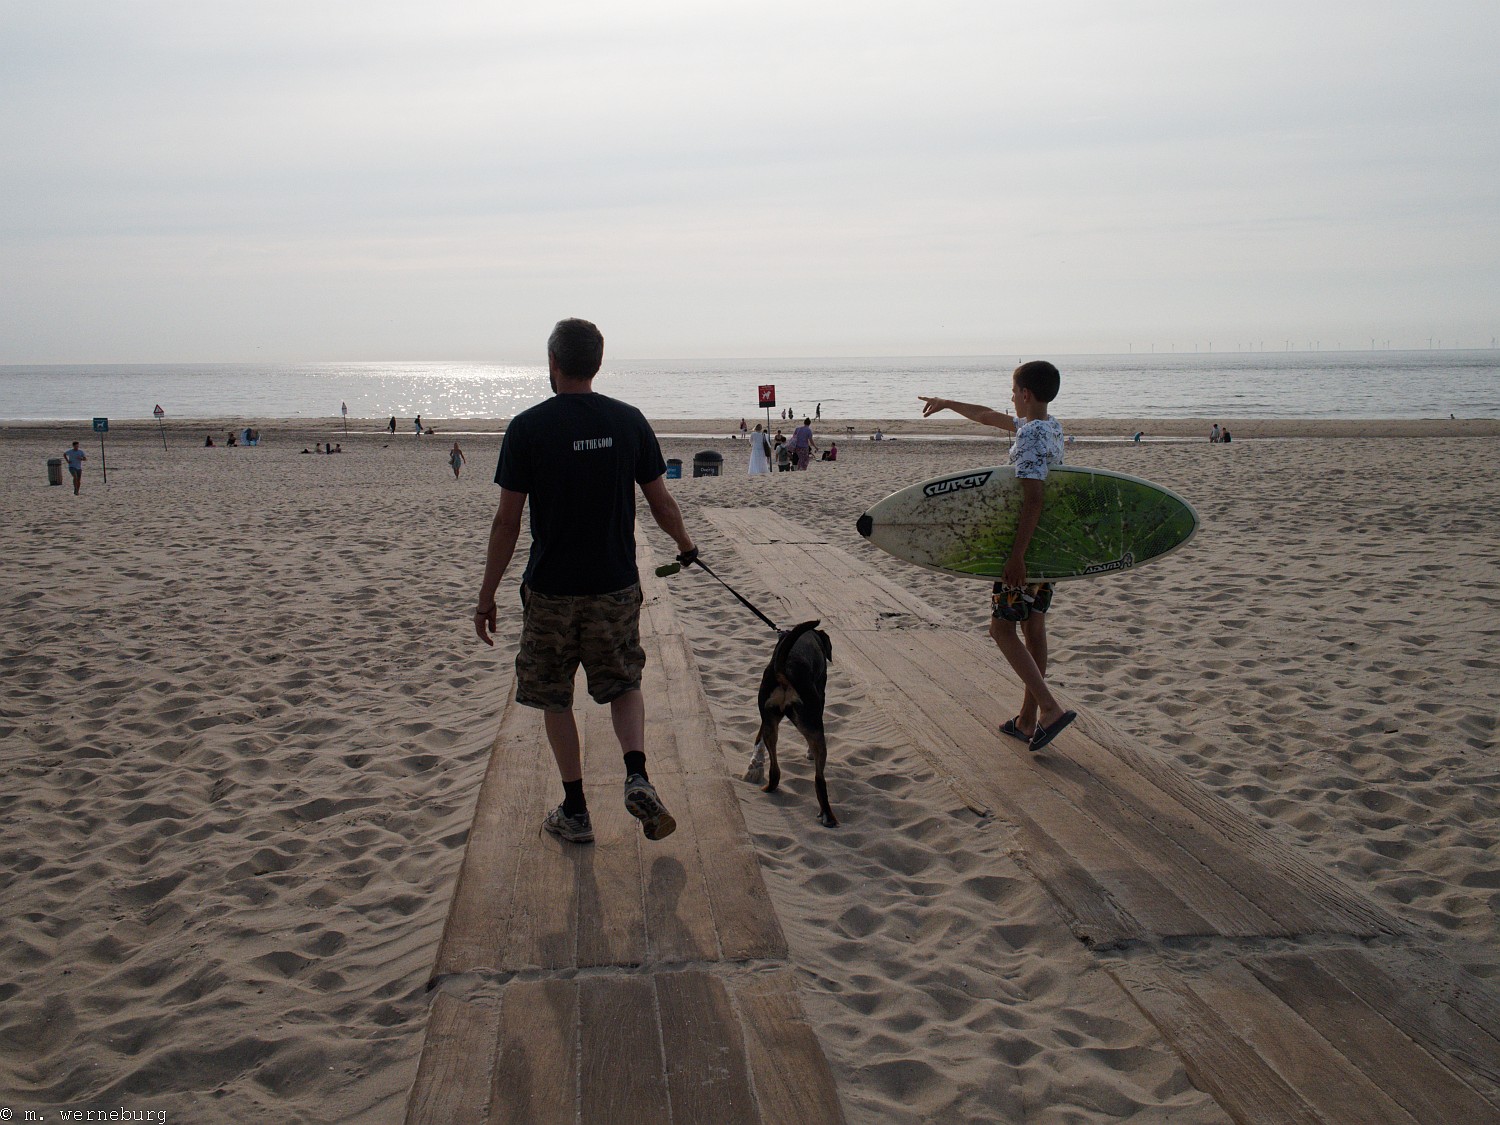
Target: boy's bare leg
(1034, 631)
(562, 736)
(1020, 659)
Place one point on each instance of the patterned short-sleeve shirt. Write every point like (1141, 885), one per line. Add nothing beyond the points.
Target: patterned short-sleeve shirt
(1037, 448)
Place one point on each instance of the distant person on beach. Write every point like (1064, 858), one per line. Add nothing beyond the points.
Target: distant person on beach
(832, 452)
(1038, 447)
(760, 451)
(784, 459)
(802, 444)
(577, 459)
(779, 439)
(208, 442)
(1224, 438)
(818, 413)
(232, 440)
(416, 424)
(456, 459)
(1213, 434)
(743, 428)
(75, 458)
(392, 424)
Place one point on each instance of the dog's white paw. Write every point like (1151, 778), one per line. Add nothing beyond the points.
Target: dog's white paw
(756, 771)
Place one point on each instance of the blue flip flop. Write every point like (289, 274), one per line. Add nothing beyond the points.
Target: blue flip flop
(1045, 735)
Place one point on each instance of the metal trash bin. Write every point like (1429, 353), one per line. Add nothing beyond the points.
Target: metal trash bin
(674, 468)
(54, 470)
(709, 463)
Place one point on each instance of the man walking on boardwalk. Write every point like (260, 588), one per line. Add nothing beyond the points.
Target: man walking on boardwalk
(578, 457)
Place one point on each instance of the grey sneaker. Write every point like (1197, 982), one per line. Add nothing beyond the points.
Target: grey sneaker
(642, 803)
(577, 829)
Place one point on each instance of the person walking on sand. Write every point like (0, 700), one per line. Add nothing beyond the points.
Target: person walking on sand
(456, 459)
(576, 460)
(760, 451)
(75, 458)
(1038, 447)
(802, 444)
(416, 424)
(392, 425)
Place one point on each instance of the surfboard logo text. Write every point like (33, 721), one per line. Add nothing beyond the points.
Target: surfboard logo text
(955, 484)
(1124, 562)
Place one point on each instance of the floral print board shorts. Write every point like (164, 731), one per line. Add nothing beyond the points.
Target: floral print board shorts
(1010, 604)
(561, 631)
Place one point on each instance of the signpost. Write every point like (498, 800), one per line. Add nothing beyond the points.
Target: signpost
(160, 414)
(101, 427)
(768, 400)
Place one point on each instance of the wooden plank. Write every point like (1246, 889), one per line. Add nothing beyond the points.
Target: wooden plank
(620, 1072)
(1410, 1075)
(1217, 1059)
(680, 920)
(1322, 1076)
(707, 1078)
(481, 913)
(611, 915)
(453, 1078)
(1093, 875)
(1137, 817)
(536, 1067)
(543, 931)
(790, 1073)
(1298, 892)
(743, 914)
(1449, 1011)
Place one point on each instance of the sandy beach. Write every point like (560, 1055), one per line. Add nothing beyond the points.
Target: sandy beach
(245, 719)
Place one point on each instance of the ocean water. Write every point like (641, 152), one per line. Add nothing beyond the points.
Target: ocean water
(1374, 384)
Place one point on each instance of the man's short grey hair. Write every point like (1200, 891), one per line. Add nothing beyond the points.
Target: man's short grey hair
(578, 347)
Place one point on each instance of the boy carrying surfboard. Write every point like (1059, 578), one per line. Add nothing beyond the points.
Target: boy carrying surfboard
(1038, 446)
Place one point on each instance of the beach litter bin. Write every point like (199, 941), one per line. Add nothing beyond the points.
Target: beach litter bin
(54, 470)
(674, 468)
(709, 463)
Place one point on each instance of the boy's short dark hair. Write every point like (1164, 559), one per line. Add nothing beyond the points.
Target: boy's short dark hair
(1040, 378)
(578, 347)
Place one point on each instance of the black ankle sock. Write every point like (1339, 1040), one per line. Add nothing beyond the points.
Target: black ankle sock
(635, 762)
(573, 802)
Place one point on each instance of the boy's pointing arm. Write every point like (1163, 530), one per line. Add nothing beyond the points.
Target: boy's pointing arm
(984, 415)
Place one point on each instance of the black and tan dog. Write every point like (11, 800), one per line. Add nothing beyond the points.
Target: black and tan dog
(793, 687)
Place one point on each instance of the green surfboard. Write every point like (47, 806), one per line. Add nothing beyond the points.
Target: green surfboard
(1093, 522)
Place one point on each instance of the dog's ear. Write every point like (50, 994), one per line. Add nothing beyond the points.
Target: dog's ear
(827, 645)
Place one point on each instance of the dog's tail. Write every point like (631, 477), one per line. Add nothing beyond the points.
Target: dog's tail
(784, 646)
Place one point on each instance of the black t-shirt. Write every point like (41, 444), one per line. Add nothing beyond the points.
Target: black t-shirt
(578, 458)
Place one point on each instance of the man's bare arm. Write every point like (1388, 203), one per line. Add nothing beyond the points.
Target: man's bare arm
(504, 531)
(665, 512)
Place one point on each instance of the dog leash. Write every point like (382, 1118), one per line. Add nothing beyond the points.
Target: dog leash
(673, 567)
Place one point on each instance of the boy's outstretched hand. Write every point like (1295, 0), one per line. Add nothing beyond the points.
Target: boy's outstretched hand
(931, 405)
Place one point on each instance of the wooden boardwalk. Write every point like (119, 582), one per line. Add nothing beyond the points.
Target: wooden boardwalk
(627, 981)
(1288, 994)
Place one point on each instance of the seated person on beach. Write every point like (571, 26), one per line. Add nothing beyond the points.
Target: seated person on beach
(832, 452)
(1037, 448)
(232, 440)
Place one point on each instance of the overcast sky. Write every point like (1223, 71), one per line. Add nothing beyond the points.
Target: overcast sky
(217, 180)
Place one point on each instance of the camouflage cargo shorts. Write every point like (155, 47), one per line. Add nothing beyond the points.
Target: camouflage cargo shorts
(561, 631)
